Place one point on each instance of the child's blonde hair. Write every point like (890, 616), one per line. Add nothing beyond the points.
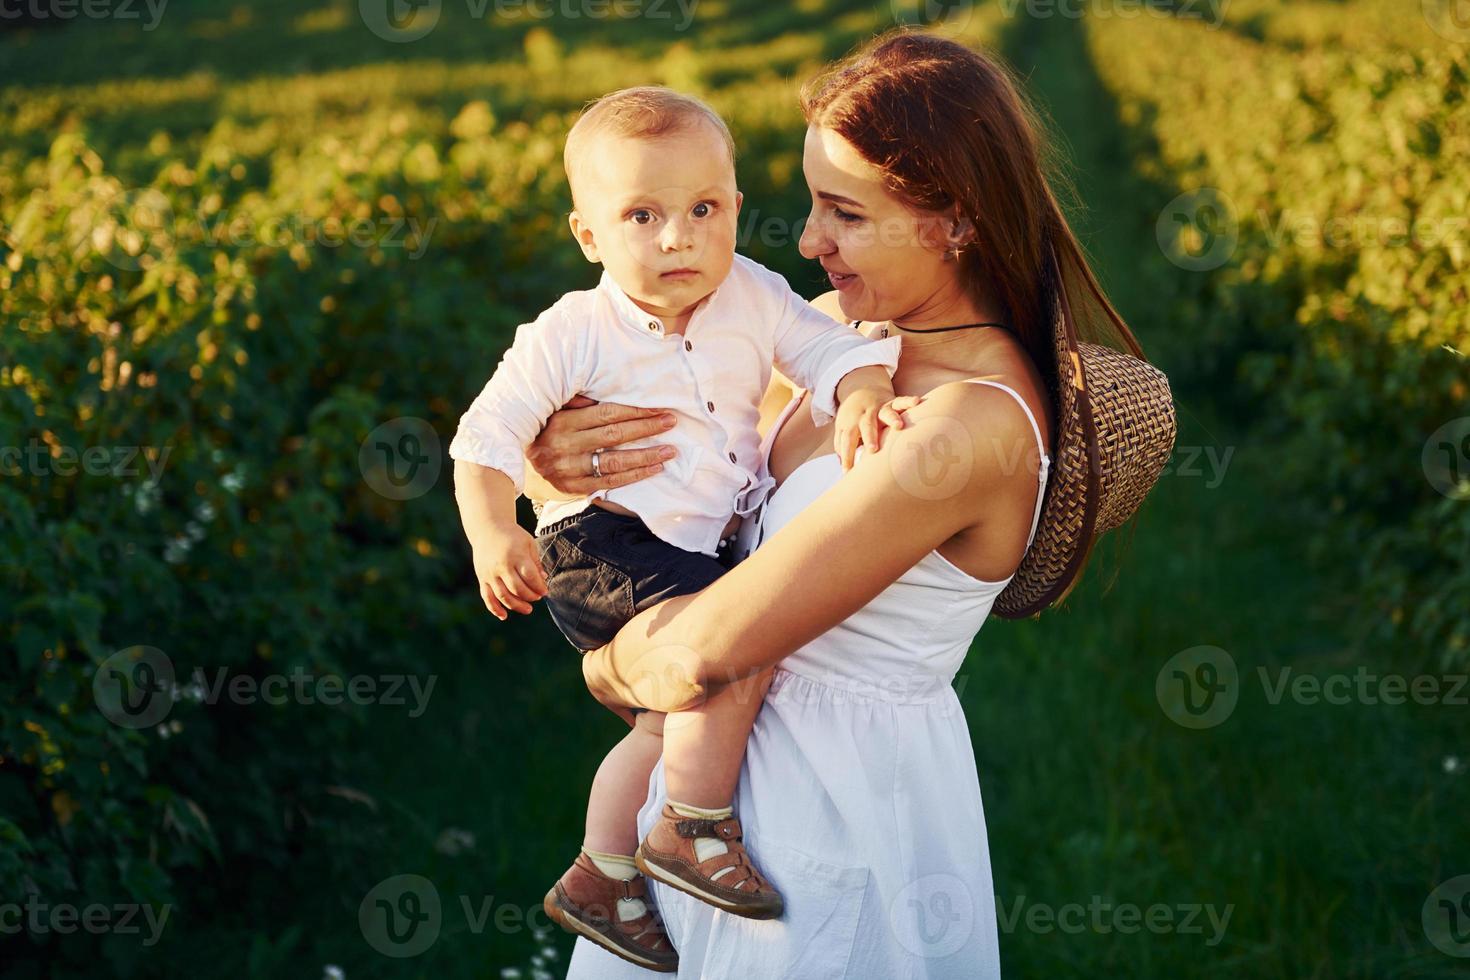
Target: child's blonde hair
(640, 112)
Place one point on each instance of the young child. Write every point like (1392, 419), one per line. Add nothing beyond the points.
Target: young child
(679, 322)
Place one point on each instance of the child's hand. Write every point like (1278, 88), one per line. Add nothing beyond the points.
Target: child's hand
(508, 570)
(889, 414)
(858, 421)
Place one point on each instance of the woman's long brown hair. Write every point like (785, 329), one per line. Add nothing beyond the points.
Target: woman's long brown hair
(948, 127)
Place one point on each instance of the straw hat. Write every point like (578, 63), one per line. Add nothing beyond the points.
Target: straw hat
(1115, 431)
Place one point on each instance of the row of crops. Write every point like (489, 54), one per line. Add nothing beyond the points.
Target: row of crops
(1324, 230)
(230, 248)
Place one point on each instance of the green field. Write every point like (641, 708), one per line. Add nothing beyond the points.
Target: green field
(169, 199)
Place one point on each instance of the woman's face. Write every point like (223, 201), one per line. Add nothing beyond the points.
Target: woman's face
(885, 259)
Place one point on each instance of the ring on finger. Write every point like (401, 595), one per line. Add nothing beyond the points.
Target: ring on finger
(597, 462)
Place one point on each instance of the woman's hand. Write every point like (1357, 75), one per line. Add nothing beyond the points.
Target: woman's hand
(594, 663)
(594, 666)
(562, 453)
(666, 678)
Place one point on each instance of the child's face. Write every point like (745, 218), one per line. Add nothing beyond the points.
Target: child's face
(659, 214)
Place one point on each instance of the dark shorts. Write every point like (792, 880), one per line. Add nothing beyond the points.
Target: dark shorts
(604, 568)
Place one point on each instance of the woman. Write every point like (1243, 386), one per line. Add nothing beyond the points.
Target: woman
(933, 219)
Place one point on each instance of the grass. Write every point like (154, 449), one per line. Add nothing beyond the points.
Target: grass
(1325, 826)
(1321, 828)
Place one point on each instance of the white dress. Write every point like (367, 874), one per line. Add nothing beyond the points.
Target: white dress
(858, 797)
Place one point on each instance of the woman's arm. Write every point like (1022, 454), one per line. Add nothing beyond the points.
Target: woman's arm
(953, 466)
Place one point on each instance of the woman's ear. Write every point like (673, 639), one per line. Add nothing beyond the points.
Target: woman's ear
(947, 231)
(582, 232)
(959, 231)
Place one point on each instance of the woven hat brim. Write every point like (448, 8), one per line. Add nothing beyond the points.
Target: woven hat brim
(1115, 431)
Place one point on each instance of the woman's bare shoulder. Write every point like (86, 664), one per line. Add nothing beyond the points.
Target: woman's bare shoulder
(985, 430)
(1001, 409)
(1013, 369)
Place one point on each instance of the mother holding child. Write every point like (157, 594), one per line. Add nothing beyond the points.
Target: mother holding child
(778, 606)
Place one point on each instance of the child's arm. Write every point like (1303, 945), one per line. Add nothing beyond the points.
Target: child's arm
(506, 563)
(542, 369)
(822, 355)
(861, 396)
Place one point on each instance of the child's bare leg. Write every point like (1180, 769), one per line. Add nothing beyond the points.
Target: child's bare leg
(704, 746)
(690, 846)
(589, 899)
(621, 786)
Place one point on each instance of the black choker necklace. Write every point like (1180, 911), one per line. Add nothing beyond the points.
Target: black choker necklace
(963, 326)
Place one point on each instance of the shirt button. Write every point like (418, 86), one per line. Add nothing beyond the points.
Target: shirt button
(652, 325)
(732, 457)
(688, 345)
(710, 406)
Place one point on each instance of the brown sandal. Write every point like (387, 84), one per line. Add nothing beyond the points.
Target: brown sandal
(585, 901)
(667, 853)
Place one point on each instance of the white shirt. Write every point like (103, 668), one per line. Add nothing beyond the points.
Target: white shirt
(599, 343)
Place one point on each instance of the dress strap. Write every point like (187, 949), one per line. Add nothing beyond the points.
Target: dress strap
(1040, 446)
(1036, 429)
